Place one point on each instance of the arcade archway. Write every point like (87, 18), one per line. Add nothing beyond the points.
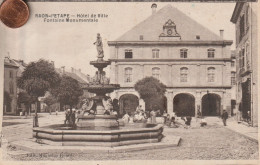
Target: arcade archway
(184, 104)
(211, 105)
(128, 103)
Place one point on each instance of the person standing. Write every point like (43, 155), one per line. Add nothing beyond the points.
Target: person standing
(153, 117)
(188, 121)
(66, 116)
(73, 117)
(172, 118)
(224, 117)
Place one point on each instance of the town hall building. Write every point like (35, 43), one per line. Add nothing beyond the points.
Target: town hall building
(193, 62)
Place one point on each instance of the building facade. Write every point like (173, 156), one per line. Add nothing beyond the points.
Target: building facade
(194, 64)
(245, 19)
(10, 87)
(233, 83)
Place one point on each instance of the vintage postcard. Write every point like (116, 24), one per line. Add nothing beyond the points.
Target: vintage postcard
(129, 82)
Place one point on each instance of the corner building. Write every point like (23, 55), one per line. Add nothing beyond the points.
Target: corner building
(193, 62)
(10, 87)
(245, 19)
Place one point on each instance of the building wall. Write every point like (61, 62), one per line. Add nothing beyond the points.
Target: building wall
(169, 62)
(248, 42)
(170, 52)
(10, 79)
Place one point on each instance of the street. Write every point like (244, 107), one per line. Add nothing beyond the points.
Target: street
(213, 142)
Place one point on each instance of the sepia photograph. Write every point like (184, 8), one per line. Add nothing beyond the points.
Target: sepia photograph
(123, 81)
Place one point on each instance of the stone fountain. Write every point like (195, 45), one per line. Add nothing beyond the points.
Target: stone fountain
(100, 86)
(95, 127)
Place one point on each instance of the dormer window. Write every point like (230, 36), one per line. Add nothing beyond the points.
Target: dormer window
(155, 53)
(128, 53)
(211, 53)
(184, 53)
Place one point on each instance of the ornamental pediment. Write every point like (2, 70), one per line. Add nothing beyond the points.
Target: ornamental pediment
(170, 30)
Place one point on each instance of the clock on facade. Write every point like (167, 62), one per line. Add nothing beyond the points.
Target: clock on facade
(169, 31)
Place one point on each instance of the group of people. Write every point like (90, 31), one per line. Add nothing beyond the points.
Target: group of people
(70, 117)
(109, 107)
(139, 116)
(170, 120)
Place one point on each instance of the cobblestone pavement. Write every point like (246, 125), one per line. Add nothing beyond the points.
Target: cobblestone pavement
(213, 142)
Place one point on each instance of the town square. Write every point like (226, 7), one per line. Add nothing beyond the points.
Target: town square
(165, 88)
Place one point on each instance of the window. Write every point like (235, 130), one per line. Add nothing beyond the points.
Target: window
(184, 74)
(232, 63)
(155, 53)
(184, 53)
(11, 74)
(233, 78)
(128, 53)
(247, 18)
(248, 58)
(211, 74)
(156, 73)
(211, 53)
(242, 27)
(11, 88)
(243, 58)
(128, 74)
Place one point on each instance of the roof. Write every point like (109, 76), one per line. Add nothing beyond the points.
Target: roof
(76, 77)
(152, 27)
(10, 63)
(237, 11)
(72, 75)
(21, 66)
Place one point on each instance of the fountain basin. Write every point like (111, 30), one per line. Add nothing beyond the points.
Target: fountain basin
(127, 135)
(100, 63)
(98, 122)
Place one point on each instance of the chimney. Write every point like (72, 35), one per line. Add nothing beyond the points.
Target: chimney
(80, 70)
(221, 33)
(7, 59)
(63, 69)
(154, 6)
(72, 69)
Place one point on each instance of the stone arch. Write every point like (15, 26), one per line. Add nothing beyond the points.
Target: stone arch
(211, 104)
(128, 103)
(184, 104)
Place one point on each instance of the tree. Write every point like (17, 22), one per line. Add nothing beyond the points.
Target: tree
(152, 91)
(50, 100)
(24, 98)
(37, 78)
(68, 92)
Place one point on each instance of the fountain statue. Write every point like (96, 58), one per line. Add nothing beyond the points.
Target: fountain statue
(99, 46)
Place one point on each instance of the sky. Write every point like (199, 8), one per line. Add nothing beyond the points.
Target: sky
(71, 44)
